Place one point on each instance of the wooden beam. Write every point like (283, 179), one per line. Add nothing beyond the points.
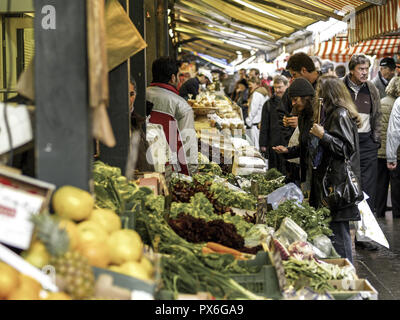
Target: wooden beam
(64, 146)
(118, 112)
(310, 7)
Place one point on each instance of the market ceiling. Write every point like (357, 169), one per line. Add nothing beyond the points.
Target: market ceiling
(223, 28)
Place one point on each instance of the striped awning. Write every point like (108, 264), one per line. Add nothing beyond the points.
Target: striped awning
(339, 50)
(374, 21)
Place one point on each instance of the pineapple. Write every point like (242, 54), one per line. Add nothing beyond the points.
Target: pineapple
(73, 271)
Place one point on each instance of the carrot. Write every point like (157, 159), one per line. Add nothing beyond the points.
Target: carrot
(206, 250)
(222, 249)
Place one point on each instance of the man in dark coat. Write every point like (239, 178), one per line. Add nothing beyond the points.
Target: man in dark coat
(270, 132)
(367, 100)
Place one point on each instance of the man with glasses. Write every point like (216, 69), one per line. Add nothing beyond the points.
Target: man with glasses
(367, 100)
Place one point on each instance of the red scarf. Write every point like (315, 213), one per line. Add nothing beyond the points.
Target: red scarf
(165, 86)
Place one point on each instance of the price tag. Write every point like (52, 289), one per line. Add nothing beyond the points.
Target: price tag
(16, 209)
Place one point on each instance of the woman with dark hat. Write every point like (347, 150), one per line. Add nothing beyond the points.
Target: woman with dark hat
(301, 93)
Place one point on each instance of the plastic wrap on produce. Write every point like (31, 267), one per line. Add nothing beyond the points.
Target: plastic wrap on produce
(305, 294)
(243, 171)
(239, 143)
(288, 192)
(290, 232)
(251, 162)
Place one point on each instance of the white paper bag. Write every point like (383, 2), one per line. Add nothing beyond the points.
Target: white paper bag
(367, 228)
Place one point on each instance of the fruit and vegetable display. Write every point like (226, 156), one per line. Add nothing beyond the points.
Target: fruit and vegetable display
(203, 234)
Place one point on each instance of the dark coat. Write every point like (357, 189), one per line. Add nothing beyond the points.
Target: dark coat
(340, 140)
(305, 124)
(190, 86)
(284, 108)
(270, 135)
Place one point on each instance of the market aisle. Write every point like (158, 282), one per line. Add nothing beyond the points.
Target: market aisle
(382, 267)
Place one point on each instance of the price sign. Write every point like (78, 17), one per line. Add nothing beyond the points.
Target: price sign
(16, 209)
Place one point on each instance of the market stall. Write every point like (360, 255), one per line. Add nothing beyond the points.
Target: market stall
(210, 236)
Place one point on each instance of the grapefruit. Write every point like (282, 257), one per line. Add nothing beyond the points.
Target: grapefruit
(107, 218)
(73, 203)
(124, 245)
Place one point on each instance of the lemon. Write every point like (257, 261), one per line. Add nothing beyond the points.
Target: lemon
(124, 245)
(90, 231)
(9, 280)
(72, 230)
(135, 269)
(96, 253)
(147, 265)
(73, 203)
(107, 218)
(37, 255)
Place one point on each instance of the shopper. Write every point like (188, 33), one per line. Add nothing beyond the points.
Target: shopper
(269, 131)
(241, 96)
(192, 86)
(301, 94)
(366, 98)
(174, 114)
(386, 176)
(340, 71)
(338, 137)
(258, 96)
(328, 68)
(387, 70)
(254, 73)
(298, 65)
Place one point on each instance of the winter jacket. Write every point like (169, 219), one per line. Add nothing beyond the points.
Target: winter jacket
(305, 124)
(393, 133)
(386, 108)
(191, 86)
(339, 141)
(270, 131)
(376, 108)
(171, 103)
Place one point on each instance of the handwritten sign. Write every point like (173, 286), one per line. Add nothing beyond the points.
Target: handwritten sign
(16, 209)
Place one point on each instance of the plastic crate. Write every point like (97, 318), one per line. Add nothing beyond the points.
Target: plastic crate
(265, 282)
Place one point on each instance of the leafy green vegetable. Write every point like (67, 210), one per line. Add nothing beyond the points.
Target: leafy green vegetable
(314, 222)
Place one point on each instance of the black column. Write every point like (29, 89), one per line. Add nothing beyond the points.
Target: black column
(118, 112)
(64, 146)
(138, 61)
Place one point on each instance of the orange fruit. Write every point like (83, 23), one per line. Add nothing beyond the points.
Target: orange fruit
(9, 280)
(90, 231)
(23, 294)
(72, 231)
(124, 245)
(107, 218)
(27, 283)
(96, 253)
(57, 296)
(73, 203)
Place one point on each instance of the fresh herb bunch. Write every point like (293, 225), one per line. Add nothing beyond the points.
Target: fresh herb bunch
(309, 273)
(314, 222)
(267, 182)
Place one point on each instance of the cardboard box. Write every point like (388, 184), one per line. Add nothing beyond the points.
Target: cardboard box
(155, 181)
(359, 289)
(340, 262)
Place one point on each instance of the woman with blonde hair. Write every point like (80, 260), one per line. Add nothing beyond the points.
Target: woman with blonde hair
(387, 173)
(338, 154)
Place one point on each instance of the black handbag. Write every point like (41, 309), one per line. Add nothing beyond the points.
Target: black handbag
(341, 189)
